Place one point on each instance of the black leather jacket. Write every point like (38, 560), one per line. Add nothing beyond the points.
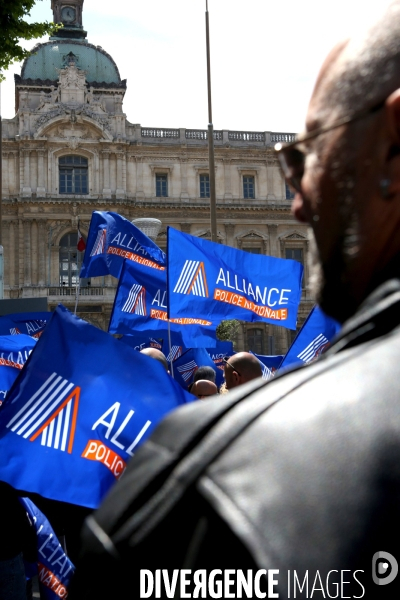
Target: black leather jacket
(312, 486)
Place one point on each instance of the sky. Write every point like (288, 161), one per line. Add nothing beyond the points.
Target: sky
(265, 56)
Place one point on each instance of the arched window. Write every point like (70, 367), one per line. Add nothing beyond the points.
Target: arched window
(73, 174)
(70, 260)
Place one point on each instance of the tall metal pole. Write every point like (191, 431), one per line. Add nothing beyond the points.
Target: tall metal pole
(1, 203)
(211, 161)
(1, 173)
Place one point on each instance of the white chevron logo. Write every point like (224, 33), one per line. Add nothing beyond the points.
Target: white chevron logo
(51, 412)
(100, 243)
(192, 279)
(136, 301)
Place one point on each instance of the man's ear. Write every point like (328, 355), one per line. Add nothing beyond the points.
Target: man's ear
(390, 183)
(392, 106)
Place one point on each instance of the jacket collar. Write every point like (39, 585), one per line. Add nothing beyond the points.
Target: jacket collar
(377, 315)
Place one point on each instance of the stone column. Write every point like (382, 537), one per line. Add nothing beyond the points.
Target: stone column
(229, 231)
(26, 244)
(227, 179)
(26, 188)
(52, 184)
(184, 190)
(41, 190)
(139, 178)
(11, 254)
(270, 180)
(20, 253)
(120, 187)
(43, 235)
(7, 252)
(12, 167)
(5, 184)
(106, 175)
(273, 239)
(130, 176)
(34, 253)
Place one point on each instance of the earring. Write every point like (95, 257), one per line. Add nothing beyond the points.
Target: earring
(384, 186)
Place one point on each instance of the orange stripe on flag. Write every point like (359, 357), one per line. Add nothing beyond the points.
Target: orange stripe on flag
(74, 417)
(75, 392)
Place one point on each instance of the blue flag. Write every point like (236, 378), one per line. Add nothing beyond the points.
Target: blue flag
(14, 352)
(217, 354)
(140, 305)
(143, 340)
(8, 327)
(147, 340)
(217, 282)
(186, 365)
(269, 364)
(30, 323)
(313, 338)
(53, 567)
(111, 240)
(272, 362)
(78, 410)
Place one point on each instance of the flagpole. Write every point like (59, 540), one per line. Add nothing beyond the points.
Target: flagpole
(78, 287)
(78, 282)
(170, 348)
(211, 159)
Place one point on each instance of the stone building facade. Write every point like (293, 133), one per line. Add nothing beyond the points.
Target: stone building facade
(70, 150)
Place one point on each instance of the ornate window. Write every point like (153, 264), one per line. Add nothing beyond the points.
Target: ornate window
(248, 186)
(70, 260)
(204, 186)
(295, 254)
(252, 242)
(255, 340)
(73, 174)
(161, 185)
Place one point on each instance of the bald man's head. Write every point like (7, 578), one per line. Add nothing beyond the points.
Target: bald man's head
(157, 355)
(241, 368)
(203, 388)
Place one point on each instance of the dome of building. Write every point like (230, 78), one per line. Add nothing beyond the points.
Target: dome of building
(46, 58)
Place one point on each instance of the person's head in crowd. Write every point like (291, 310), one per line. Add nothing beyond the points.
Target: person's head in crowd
(205, 372)
(345, 169)
(157, 355)
(241, 368)
(203, 388)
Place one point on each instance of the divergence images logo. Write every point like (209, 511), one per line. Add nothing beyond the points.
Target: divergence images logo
(192, 279)
(51, 412)
(187, 370)
(314, 348)
(100, 244)
(136, 301)
(384, 568)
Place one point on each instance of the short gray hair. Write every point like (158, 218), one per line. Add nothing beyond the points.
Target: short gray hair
(368, 70)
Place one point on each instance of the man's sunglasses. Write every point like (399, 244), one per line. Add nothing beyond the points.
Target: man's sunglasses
(292, 159)
(226, 361)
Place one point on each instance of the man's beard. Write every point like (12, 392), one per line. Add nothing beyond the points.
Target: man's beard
(329, 281)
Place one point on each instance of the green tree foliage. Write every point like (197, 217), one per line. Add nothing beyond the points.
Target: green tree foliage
(13, 28)
(228, 330)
